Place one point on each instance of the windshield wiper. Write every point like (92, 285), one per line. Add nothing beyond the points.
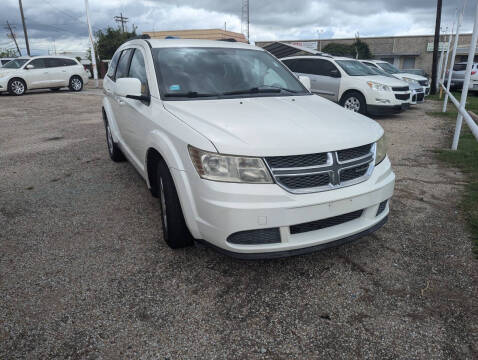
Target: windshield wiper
(190, 94)
(259, 90)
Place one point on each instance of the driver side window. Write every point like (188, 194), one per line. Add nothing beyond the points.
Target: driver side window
(38, 63)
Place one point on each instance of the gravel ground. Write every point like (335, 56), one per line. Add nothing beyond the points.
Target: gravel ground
(84, 272)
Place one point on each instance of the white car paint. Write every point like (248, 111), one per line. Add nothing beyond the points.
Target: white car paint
(322, 85)
(417, 79)
(43, 77)
(247, 126)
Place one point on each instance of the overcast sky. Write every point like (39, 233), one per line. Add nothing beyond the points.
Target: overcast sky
(62, 23)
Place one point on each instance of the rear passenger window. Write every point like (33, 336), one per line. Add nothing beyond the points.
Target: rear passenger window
(53, 62)
(123, 64)
(138, 70)
(305, 66)
(112, 65)
(69, 62)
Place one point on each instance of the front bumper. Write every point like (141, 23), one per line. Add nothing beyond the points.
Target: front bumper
(387, 110)
(222, 209)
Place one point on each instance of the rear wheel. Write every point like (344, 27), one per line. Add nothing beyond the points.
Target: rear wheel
(76, 83)
(17, 87)
(354, 101)
(175, 231)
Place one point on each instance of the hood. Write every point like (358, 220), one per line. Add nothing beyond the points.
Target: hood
(385, 80)
(411, 76)
(273, 126)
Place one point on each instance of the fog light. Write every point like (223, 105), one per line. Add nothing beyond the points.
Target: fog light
(383, 101)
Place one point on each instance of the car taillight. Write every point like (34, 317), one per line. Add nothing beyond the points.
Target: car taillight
(473, 72)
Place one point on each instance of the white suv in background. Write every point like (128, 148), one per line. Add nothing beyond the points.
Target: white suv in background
(392, 70)
(352, 84)
(40, 72)
(241, 155)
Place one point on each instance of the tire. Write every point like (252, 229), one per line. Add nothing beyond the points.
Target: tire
(113, 149)
(17, 87)
(76, 83)
(354, 101)
(175, 231)
(55, 89)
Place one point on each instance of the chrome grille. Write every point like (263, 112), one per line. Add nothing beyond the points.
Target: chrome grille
(322, 171)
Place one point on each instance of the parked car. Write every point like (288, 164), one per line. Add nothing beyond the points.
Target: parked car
(420, 72)
(4, 61)
(41, 72)
(418, 95)
(458, 77)
(351, 84)
(241, 155)
(409, 78)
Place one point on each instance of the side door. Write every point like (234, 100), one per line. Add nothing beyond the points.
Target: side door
(37, 76)
(118, 102)
(304, 67)
(56, 72)
(69, 67)
(328, 77)
(136, 114)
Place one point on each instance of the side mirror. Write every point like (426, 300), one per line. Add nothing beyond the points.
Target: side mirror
(305, 80)
(130, 88)
(29, 67)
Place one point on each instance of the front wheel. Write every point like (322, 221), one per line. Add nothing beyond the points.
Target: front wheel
(175, 231)
(113, 149)
(76, 83)
(17, 87)
(354, 101)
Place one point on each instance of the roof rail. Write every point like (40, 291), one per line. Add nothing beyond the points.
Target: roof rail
(228, 40)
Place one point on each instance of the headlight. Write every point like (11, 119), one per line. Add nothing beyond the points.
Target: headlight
(381, 150)
(227, 168)
(410, 81)
(378, 86)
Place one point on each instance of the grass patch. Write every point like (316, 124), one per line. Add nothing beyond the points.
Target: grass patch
(466, 159)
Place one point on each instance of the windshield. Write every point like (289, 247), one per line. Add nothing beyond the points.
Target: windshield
(186, 73)
(354, 68)
(378, 71)
(389, 68)
(15, 64)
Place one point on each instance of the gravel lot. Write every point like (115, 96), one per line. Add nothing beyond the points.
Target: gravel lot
(84, 272)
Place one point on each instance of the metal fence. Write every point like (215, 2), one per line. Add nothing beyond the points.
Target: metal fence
(462, 112)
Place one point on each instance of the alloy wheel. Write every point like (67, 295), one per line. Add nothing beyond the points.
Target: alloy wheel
(352, 103)
(76, 84)
(18, 87)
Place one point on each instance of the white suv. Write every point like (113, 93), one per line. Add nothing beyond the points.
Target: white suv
(352, 84)
(241, 155)
(51, 72)
(392, 70)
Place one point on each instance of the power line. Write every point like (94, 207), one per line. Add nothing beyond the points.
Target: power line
(13, 37)
(121, 19)
(69, 15)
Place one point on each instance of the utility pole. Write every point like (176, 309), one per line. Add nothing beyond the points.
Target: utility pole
(245, 19)
(121, 19)
(24, 27)
(93, 55)
(436, 41)
(13, 36)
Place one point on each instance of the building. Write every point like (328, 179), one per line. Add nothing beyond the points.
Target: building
(205, 34)
(405, 52)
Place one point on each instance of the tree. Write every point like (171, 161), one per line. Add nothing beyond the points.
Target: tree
(358, 46)
(337, 49)
(8, 53)
(110, 39)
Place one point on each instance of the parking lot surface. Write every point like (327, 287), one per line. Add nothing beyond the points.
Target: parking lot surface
(84, 272)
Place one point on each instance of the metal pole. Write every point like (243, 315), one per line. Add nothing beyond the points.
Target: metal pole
(440, 64)
(93, 55)
(450, 36)
(452, 59)
(466, 83)
(24, 27)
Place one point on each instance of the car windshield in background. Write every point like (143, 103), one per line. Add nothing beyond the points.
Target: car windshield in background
(15, 64)
(355, 68)
(389, 68)
(459, 67)
(380, 72)
(193, 73)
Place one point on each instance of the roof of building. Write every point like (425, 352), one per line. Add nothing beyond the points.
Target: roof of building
(205, 34)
